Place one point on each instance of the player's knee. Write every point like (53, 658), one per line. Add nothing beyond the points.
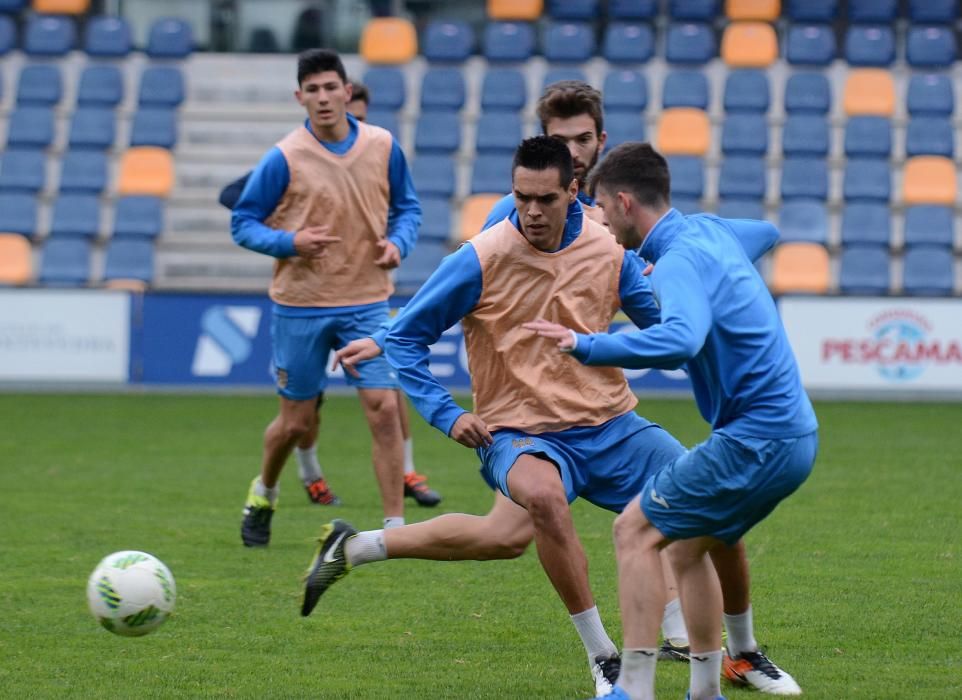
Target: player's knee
(510, 544)
(546, 502)
(294, 427)
(382, 409)
(629, 527)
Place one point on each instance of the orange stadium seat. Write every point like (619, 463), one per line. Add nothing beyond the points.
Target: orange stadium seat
(869, 91)
(749, 45)
(474, 211)
(929, 180)
(764, 10)
(684, 131)
(146, 170)
(523, 10)
(61, 7)
(127, 285)
(800, 268)
(16, 263)
(389, 40)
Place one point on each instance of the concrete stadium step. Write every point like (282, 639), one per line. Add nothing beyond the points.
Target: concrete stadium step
(183, 222)
(224, 269)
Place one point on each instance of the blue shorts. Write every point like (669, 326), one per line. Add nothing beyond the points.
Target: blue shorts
(303, 344)
(607, 464)
(726, 485)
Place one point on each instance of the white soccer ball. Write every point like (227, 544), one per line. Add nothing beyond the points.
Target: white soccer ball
(131, 593)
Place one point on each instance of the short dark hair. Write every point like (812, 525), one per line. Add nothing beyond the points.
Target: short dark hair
(569, 98)
(636, 168)
(359, 92)
(319, 61)
(541, 153)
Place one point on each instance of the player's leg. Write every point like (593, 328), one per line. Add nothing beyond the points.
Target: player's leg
(387, 450)
(308, 467)
(415, 484)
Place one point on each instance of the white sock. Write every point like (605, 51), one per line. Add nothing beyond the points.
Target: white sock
(593, 635)
(394, 521)
(673, 623)
(365, 547)
(409, 456)
(307, 465)
(741, 633)
(264, 492)
(638, 673)
(705, 675)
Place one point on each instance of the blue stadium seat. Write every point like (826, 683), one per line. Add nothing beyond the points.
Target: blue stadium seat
(434, 175)
(498, 132)
(929, 136)
(76, 215)
(868, 223)
(741, 209)
(742, 178)
(101, 86)
(690, 43)
(448, 40)
(83, 171)
(30, 127)
(154, 127)
(13, 6)
(623, 127)
(49, 35)
(864, 270)
(803, 220)
(442, 89)
(418, 266)
(170, 37)
(812, 10)
(870, 45)
(491, 173)
(130, 258)
(628, 43)
(685, 88)
(8, 35)
(107, 37)
(625, 90)
(573, 9)
(933, 11)
(705, 10)
(869, 11)
(92, 127)
(931, 47)
(805, 135)
(508, 41)
(868, 137)
(504, 89)
(930, 94)
(928, 271)
(435, 219)
(867, 179)
(39, 84)
(568, 42)
(161, 86)
(687, 176)
(632, 9)
(386, 119)
(744, 134)
(65, 262)
(438, 132)
(387, 87)
(138, 217)
(22, 170)
(807, 92)
(926, 224)
(804, 178)
(746, 91)
(810, 45)
(556, 75)
(687, 205)
(18, 213)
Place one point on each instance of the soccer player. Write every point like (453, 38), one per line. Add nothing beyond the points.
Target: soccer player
(333, 202)
(719, 321)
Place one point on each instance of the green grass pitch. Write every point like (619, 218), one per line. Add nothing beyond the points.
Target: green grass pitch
(857, 577)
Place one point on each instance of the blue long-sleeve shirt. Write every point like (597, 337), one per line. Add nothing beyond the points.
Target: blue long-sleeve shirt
(718, 318)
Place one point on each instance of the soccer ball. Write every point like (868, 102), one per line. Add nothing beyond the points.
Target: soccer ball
(131, 593)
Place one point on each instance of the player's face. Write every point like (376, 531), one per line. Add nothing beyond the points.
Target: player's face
(584, 143)
(542, 204)
(359, 109)
(325, 97)
(616, 218)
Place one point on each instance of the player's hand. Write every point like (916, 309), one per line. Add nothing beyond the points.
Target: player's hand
(354, 353)
(554, 331)
(389, 255)
(312, 242)
(471, 431)
(649, 268)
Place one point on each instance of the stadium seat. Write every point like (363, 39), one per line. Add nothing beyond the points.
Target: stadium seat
(161, 86)
(474, 212)
(100, 86)
(746, 91)
(434, 175)
(498, 132)
(8, 35)
(805, 135)
(568, 42)
(61, 7)
(503, 89)
(867, 179)
(438, 132)
(170, 37)
(263, 40)
(48, 35)
(18, 213)
(741, 209)
(39, 84)
(448, 40)
(742, 177)
(745, 134)
(684, 131)
(83, 171)
(632, 9)
(812, 10)
(65, 262)
(933, 11)
(107, 37)
(22, 170)
(146, 170)
(930, 94)
(930, 136)
(928, 271)
(869, 91)
(870, 45)
(687, 176)
(628, 43)
(12, 6)
(92, 127)
(30, 127)
(800, 268)
(388, 40)
(623, 127)
(704, 10)
(556, 75)
(807, 93)
(868, 137)
(138, 217)
(749, 45)
(76, 215)
(386, 86)
(687, 205)
(764, 10)
(418, 266)
(810, 45)
(804, 178)
(925, 224)
(803, 220)
(442, 89)
(491, 173)
(687, 42)
(929, 180)
(872, 11)
(685, 88)
(867, 223)
(435, 219)
(130, 258)
(154, 127)
(16, 260)
(529, 10)
(931, 47)
(386, 119)
(625, 90)
(864, 270)
(508, 41)
(573, 9)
